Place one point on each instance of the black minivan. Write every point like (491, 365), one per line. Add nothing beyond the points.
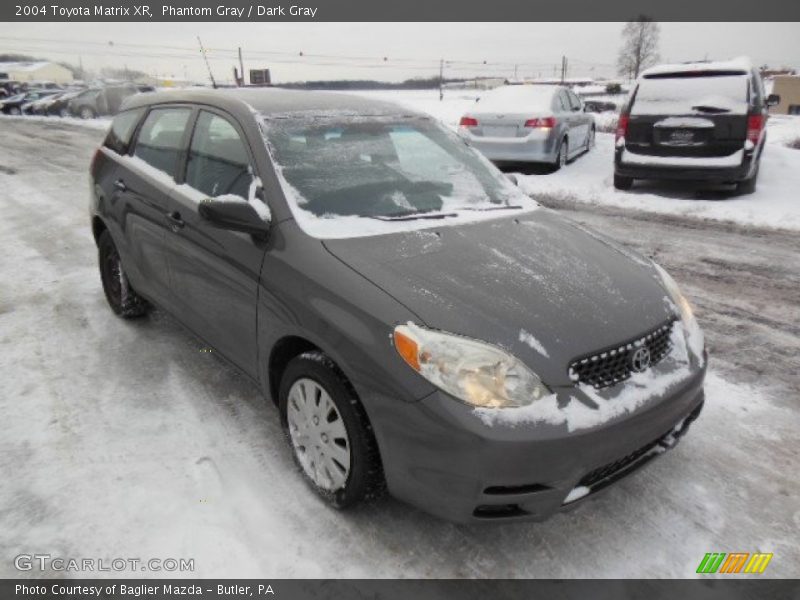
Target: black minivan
(703, 121)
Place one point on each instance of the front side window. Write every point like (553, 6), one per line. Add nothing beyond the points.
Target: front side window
(364, 170)
(218, 163)
(121, 131)
(159, 141)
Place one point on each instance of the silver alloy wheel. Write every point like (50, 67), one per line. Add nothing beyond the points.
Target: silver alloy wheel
(318, 434)
(87, 113)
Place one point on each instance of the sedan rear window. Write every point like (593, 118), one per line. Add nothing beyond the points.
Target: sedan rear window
(681, 94)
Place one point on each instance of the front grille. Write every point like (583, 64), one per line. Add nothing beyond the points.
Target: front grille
(615, 364)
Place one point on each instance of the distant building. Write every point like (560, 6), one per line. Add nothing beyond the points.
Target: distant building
(35, 71)
(788, 88)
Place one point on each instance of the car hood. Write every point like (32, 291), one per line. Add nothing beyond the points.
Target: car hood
(539, 285)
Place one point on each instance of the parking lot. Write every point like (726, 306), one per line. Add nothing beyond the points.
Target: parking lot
(130, 438)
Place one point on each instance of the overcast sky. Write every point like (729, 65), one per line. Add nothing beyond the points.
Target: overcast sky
(356, 50)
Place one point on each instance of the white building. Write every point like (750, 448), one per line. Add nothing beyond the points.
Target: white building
(35, 71)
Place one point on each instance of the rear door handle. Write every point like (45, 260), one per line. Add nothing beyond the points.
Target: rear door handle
(175, 221)
(120, 185)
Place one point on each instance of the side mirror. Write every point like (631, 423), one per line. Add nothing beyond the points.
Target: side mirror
(234, 214)
(773, 100)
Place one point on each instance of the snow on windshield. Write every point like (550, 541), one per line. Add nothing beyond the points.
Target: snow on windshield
(350, 176)
(724, 94)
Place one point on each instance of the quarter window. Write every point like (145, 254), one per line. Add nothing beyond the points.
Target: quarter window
(218, 162)
(119, 135)
(159, 141)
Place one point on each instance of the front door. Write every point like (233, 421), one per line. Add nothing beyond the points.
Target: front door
(215, 272)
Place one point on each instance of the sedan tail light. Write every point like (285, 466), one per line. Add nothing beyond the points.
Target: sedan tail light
(755, 123)
(622, 127)
(541, 123)
(468, 122)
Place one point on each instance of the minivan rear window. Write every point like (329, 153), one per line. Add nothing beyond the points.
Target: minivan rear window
(681, 95)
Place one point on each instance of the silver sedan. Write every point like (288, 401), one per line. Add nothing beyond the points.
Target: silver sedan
(529, 123)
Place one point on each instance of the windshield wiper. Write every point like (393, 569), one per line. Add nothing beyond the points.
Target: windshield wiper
(711, 109)
(412, 216)
(504, 207)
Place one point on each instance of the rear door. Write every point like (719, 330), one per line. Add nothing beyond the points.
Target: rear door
(144, 184)
(215, 272)
(579, 125)
(693, 114)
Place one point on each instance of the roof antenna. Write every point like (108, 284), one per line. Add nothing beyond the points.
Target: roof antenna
(208, 66)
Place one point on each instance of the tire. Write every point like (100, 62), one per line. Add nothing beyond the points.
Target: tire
(623, 183)
(121, 296)
(563, 153)
(86, 112)
(345, 436)
(748, 186)
(14, 110)
(590, 140)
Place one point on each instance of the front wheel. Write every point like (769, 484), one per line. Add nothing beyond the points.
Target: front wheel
(14, 111)
(121, 296)
(86, 112)
(590, 140)
(329, 432)
(623, 183)
(563, 154)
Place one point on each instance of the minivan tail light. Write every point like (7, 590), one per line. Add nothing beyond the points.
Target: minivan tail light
(622, 127)
(468, 122)
(94, 160)
(541, 123)
(755, 123)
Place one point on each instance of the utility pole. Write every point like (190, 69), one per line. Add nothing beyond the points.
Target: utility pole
(441, 79)
(563, 68)
(241, 67)
(208, 66)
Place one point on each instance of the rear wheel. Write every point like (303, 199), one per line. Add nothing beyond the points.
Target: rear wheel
(329, 432)
(623, 183)
(563, 153)
(748, 186)
(121, 296)
(14, 110)
(87, 112)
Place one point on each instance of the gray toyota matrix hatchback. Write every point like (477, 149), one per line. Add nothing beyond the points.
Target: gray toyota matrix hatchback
(421, 324)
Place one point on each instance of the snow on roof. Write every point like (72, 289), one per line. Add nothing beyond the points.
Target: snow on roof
(741, 63)
(23, 66)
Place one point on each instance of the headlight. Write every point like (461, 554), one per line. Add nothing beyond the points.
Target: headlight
(475, 372)
(695, 340)
(675, 294)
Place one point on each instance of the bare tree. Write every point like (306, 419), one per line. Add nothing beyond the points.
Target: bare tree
(639, 46)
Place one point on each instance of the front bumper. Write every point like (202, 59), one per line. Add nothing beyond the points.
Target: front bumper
(440, 457)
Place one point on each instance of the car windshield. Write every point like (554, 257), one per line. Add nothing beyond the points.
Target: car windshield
(353, 169)
(685, 94)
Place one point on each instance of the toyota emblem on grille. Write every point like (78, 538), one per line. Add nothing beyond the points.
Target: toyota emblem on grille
(640, 359)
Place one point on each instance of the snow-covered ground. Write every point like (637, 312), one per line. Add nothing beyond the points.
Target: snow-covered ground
(130, 439)
(589, 178)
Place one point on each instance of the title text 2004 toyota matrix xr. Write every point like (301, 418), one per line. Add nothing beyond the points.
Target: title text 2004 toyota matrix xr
(421, 324)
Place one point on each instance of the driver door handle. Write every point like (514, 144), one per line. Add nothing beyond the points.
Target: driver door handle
(120, 185)
(175, 220)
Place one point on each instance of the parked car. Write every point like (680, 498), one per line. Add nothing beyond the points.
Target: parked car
(702, 122)
(59, 105)
(15, 104)
(419, 322)
(103, 101)
(530, 123)
(38, 106)
(598, 106)
(10, 88)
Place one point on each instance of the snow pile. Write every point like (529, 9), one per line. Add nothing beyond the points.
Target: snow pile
(101, 123)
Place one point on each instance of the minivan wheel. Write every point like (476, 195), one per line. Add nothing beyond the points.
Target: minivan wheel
(623, 183)
(748, 186)
(330, 435)
(121, 296)
(86, 113)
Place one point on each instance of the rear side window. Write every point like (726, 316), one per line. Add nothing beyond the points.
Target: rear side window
(218, 162)
(121, 131)
(574, 102)
(159, 141)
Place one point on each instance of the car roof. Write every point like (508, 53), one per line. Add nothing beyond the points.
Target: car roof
(741, 65)
(271, 101)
